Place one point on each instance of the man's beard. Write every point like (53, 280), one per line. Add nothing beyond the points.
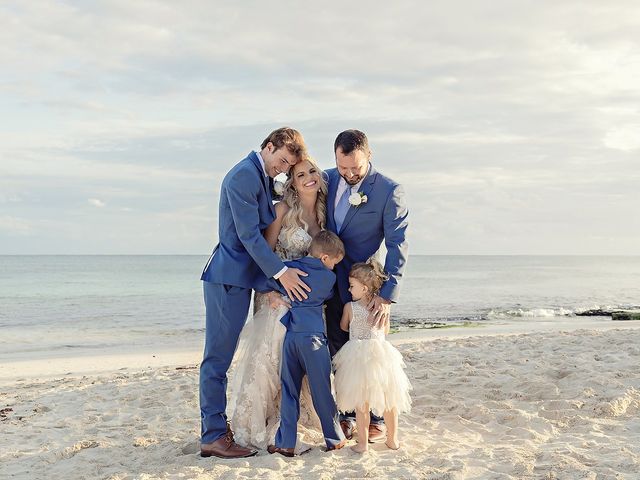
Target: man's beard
(353, 181)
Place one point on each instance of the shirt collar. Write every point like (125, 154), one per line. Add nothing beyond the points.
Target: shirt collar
(261, 163)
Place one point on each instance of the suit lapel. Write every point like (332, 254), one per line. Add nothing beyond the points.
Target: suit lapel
(365, 188)
(272, 207)
(331, 197)
(268, 186)
(265, 181)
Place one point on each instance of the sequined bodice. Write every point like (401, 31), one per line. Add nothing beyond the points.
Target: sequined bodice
(294, 244)
(359, 327)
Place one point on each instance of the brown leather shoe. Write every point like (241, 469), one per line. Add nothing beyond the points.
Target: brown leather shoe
(287, 452)
(226, 447)
(347, 429)
(338, 446)
(377, 433)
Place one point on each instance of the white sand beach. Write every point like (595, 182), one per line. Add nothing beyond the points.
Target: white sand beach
(558, 401)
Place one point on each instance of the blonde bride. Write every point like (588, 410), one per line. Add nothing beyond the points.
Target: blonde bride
(255, 384)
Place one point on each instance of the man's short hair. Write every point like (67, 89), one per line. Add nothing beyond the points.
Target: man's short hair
(351, 140)
(326, 243)
(289, 138)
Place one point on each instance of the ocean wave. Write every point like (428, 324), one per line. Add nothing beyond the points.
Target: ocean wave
(550, 312)
(530, 313)
(413, 317)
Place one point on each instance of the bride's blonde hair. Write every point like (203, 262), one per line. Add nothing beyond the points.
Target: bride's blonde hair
(293, 218)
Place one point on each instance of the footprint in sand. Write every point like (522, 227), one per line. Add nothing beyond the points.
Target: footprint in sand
(145, 442)
(73, 450)
(191, 448)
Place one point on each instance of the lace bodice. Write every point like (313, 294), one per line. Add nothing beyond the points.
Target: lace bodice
(359, 327)
(293, 244)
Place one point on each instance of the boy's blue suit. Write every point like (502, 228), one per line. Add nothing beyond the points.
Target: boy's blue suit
(245, 210)
(382, 218)
(305, 351)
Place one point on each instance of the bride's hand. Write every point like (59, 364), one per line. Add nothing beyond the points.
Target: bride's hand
(276, 300)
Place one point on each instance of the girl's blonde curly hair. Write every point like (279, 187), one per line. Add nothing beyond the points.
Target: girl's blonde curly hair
(370, 273)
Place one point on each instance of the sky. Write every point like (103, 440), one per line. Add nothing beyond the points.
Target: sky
(514, 126)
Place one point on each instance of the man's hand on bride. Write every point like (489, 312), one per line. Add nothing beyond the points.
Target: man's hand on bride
(380, 309)
(276, 300)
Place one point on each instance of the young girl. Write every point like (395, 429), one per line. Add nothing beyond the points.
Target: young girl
(369, 370)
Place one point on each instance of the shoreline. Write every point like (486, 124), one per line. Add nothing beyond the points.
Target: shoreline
(123, 360)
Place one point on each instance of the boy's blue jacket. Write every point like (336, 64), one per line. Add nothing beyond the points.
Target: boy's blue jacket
(304, 316)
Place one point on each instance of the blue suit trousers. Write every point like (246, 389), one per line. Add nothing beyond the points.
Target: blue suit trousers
(226, 313)
(307, 353)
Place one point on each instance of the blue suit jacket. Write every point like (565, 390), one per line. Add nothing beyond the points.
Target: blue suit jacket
(365, 227)
(245, 211)
(305, 316)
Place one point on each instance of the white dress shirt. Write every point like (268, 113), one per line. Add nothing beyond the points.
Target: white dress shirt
(343, 185)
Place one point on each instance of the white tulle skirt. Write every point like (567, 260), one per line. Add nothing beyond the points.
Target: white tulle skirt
(371, 371)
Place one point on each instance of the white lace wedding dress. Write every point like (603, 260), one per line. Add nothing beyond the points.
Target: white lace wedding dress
(254, 405)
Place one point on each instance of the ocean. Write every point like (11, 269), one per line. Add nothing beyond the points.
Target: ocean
(54, 306)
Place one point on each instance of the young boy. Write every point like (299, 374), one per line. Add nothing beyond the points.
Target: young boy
(305, 349)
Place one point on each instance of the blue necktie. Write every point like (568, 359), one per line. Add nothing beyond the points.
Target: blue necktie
(342, 208)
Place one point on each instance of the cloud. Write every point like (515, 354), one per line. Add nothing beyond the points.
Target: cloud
(469, 138)
(15, 226)
(625, 138)
(500, 119)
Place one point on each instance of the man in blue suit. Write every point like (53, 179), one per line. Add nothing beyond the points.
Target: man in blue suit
(364, 208)
(304, 350)
(245, 211)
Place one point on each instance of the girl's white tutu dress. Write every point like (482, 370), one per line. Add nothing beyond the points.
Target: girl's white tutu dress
(369, 369)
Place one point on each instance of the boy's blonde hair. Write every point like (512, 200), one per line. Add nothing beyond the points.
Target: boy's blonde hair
(370, 274)
(326, 243)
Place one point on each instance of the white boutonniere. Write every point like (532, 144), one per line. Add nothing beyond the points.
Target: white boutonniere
(278, 188)
(357, 199)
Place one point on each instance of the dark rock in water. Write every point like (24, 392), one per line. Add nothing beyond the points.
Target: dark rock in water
(632, 313)
(594, 313)
(626, 315)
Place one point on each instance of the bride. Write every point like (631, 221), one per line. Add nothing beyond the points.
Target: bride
(255, 394)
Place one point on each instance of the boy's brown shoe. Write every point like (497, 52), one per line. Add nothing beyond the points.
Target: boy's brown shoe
(287, 452)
